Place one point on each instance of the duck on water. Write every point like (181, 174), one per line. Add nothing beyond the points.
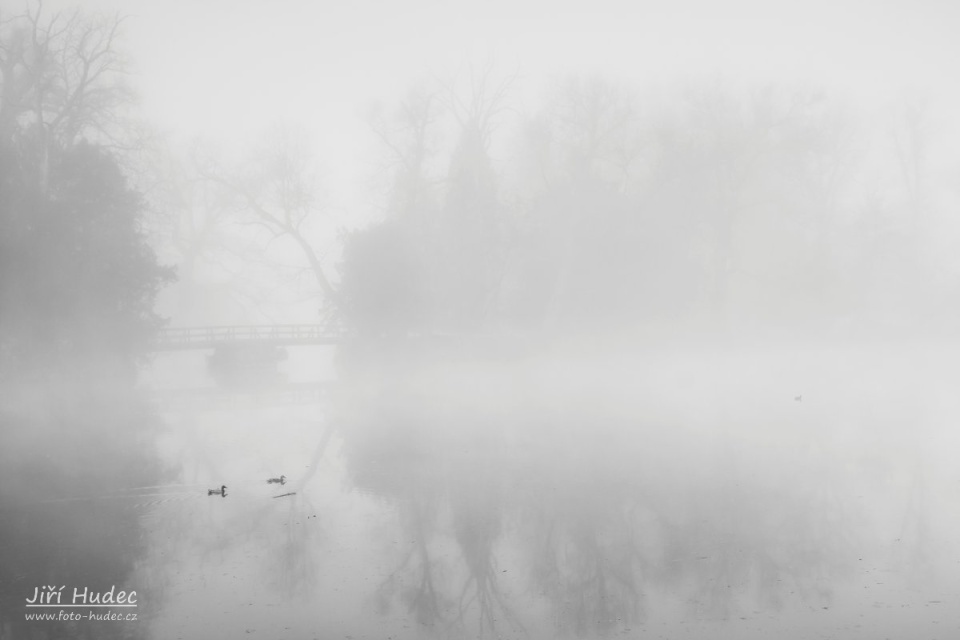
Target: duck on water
(222, 491)
(280, 480)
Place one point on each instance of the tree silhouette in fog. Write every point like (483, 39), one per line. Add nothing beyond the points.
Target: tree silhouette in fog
(611, 210)
(277, 190)
(78, 274)
(385, 267)
(80, 277)
(435, 262)
(77, 283)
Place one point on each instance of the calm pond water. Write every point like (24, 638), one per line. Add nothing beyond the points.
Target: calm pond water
(794, 494)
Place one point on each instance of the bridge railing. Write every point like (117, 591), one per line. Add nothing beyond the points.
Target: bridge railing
(176, 338)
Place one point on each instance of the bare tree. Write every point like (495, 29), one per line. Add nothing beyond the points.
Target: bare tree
(409, 136)
(592, 128)
(60, 80)
(278, 191)
(910, 141)
(471, 247)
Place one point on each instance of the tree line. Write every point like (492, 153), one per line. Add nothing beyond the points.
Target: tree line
(605, 208)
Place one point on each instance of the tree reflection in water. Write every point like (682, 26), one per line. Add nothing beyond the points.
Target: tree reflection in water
(412, 582)
(397, 465)
(586, 562)
(293, 565)
(477, 503)
(597, 507)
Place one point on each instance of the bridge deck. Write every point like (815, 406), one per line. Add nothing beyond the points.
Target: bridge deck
(181, 338)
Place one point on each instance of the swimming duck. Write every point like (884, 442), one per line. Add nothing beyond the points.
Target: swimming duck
(280, 480)
(222, 491)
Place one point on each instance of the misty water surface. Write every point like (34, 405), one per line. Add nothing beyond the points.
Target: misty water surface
(718, 493)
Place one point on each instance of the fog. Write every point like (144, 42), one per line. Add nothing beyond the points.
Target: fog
(508, 320)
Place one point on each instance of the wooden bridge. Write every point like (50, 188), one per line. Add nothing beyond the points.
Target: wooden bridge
(280, 335)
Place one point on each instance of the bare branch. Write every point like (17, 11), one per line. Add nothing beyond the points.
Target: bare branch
(287, 222)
